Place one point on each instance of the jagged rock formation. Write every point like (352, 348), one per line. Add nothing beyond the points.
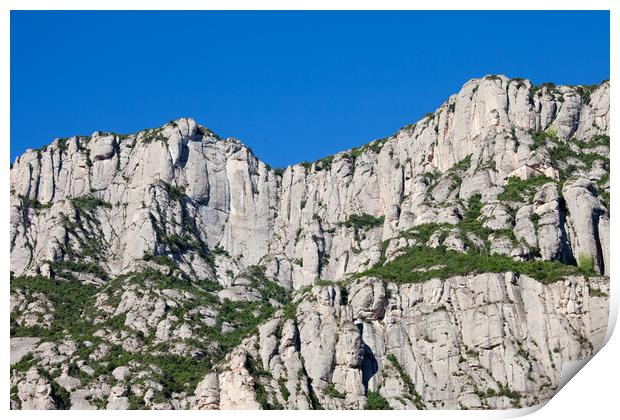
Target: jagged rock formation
(171, 247)
(488, 340)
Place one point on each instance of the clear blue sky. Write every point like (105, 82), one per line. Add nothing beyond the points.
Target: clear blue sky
(293, 86)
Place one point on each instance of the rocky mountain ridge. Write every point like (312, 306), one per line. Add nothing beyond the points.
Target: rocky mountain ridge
(180, 246)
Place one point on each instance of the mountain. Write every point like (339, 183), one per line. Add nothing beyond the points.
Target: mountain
(457, 263)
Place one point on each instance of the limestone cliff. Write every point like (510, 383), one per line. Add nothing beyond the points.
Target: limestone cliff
(127, 250)
(482, 341)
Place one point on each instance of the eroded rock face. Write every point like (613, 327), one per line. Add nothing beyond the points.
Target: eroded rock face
(168, 247)
(458, 342)
(588, 223)
(34, 392)
(236, 202)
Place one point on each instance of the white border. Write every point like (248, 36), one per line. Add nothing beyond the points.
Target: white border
(592, 394)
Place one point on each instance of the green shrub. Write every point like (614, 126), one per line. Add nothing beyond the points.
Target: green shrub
(375, 401)
(363, 221)
(268, 289)
(462, 165)
(417, 398)
(585, 92)
(283, 389)
(453, 263)
(514, 396)
(62, 144)
(153, 134)
(586, 264)
(595, 141)
(25, 363)
(431, 178)
(244, 317)
(136, 402)
(473, 212)
(539, 138)
(331, 391)
(62, 266)
(408, 127)
(29, 203)
(179, 244)
(174, 193)
(314, 400)
(320, 282)
(161, 260)
(597, 292)
(517, 189)
(422, 233)
(324, 164)
(373, 146)
(88, 203)
(562, 152)
(218, 250)
(257, 372)
(69, 298)
(604, 195)
(61, 397)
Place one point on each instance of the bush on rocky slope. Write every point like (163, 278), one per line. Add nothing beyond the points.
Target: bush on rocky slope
(517, 189)
(376, 401)
(363, 221)
(69, 299)
(421, 263)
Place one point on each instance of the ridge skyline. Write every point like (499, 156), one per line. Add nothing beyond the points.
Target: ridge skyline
(247, 142)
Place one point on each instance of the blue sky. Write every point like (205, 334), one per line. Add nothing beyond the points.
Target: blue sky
(293, 86)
